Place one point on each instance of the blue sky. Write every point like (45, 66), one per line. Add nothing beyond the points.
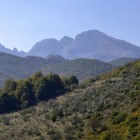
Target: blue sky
(25, 22)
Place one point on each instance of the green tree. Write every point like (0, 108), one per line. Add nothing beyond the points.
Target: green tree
(74, 80)
(7, 102)
(55, 82)
(29, 88)
(24, 100)
(36, 76)
(65, 81)
(10, 85)
(42, 88)
(24, 92)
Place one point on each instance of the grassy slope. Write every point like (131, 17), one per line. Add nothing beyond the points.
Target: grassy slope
(101, 97)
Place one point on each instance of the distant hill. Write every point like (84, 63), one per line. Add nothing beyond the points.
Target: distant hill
(50, 59)
(17, 67)
(54, 59)
(122, 61)
(3, 77)
(82, 68)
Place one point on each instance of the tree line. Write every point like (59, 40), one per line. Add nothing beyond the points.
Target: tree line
(26, 92)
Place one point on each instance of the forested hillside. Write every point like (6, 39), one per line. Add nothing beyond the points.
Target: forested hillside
(17, 67)
(122, 61)
(106, 108)
(82, 68)
(115, 73)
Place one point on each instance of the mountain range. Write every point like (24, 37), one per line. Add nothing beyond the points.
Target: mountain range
(89, 44)
(14, 51)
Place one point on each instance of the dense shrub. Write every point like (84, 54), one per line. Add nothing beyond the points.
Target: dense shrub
(118, 117)
(24, 93)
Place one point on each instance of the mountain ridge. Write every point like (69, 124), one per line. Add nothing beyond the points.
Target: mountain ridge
(14, 51)
(100, 46)
(88, 44)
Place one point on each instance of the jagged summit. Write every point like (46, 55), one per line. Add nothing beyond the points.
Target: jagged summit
(89, 44)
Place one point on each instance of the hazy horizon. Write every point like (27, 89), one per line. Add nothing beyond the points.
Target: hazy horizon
(23, 23)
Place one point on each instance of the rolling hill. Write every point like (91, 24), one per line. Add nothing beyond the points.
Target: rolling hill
(17, 67)
(122, 61)
(82, 68)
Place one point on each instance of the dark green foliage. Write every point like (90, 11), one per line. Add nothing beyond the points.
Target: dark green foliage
(10, 85)
(24, 100)
(7, 102)
(37, 75)
(132, 121)
(73, 80)
(118, 117)
(55, 82)
(23, 93)
(40, 92)
(42, 88)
